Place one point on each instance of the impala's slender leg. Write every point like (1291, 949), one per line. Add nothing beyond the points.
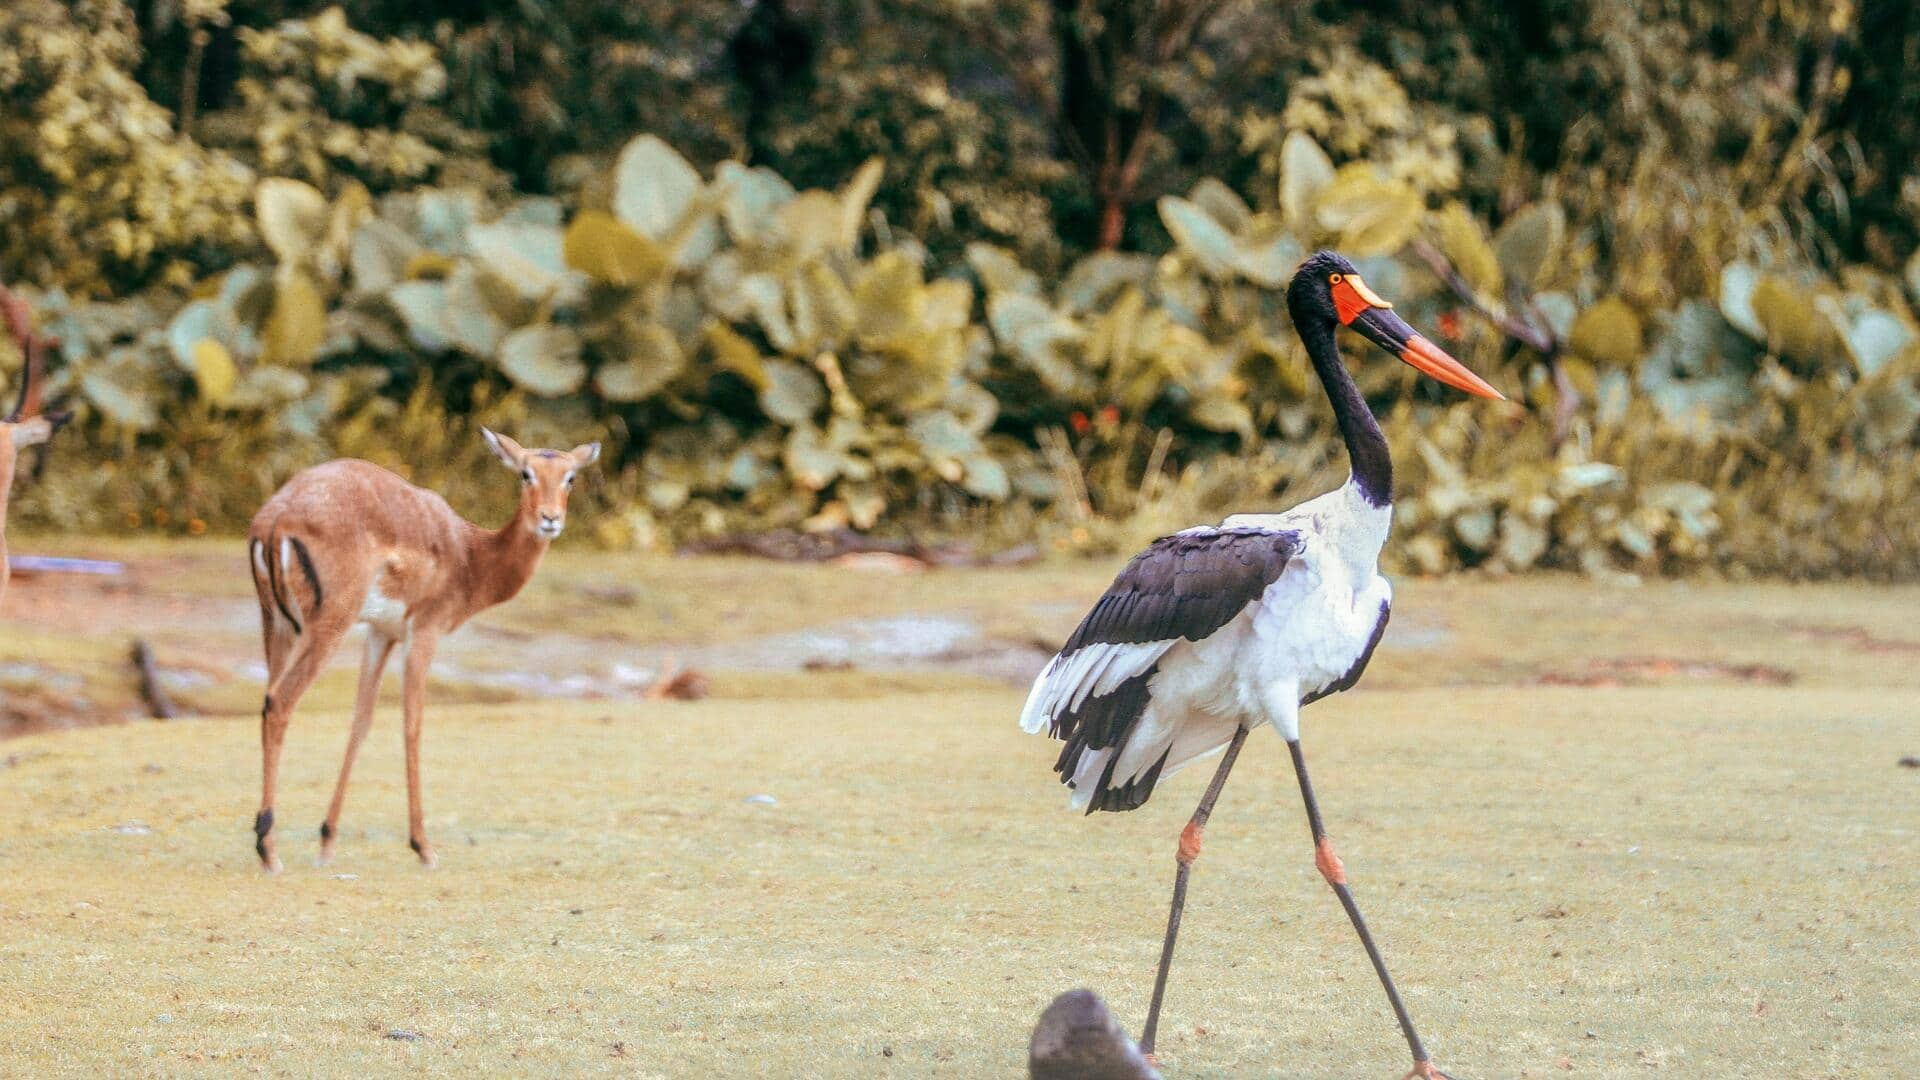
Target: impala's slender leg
(1336, 874)
(419, 659)
(1189, 850)
(303, 663)
(280, 641)
(379, 648)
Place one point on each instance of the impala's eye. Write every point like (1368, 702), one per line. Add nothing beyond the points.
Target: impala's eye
(527, 475)
(569, 481)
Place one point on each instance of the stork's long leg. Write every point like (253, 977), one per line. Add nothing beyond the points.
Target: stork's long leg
(1336, 875)
(1189, 850)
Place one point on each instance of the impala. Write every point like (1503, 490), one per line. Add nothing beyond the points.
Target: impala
(25, 426)
(349, 543)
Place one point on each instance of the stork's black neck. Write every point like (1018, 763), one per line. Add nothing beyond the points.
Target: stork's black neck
(1366, 446)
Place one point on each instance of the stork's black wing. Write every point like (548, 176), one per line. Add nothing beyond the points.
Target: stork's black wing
(1182, 587)
(1186, 586)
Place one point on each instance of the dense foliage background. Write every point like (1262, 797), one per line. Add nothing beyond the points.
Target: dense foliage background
(987, 266)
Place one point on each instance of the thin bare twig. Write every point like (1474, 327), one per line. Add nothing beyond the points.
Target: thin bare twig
(1156, 460)
(1538, 338)
(190, 79)
(1066, 469)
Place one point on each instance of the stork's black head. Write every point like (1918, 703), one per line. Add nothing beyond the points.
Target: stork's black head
(1309, 295)
(1328, 291)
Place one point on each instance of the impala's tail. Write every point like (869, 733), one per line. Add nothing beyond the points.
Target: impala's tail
(290, 595)
(288, 584)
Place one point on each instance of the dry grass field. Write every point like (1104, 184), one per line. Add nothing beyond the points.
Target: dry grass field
(1600, 832)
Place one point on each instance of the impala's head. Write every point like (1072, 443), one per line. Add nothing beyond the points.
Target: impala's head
(1328, 289)
(546, 479)
(25, 426)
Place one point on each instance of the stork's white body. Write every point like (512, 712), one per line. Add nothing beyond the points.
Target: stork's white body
(1207, 633)
(1307, 630)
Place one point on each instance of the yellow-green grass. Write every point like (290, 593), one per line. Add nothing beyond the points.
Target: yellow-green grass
(1707, 881)
(1714, 873)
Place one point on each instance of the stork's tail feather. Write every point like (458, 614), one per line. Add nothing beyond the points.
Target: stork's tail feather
(1093, 700)
(1092, 773)
(1033, 717)
(1102, 793)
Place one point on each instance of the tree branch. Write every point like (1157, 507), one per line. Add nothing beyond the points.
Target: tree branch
(190, 80)
(1539, 339)
(1532, 332)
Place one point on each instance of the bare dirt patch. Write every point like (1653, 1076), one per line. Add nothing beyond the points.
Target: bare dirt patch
(1858, 637)
(1654, 670)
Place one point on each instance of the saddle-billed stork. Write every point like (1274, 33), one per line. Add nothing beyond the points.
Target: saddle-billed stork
(1218, 628)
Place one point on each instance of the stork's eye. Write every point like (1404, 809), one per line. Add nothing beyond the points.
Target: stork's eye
(1336, 279)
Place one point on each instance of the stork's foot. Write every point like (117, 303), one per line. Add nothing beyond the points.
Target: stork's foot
(1424, 1070)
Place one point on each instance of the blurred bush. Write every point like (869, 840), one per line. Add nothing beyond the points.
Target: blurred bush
(918, 330)
(96, 192)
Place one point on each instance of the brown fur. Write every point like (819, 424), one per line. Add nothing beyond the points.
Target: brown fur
(347, 532)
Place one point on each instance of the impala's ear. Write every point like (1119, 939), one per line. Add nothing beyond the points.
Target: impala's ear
(505, 449)
(584, 456)
(32, 432)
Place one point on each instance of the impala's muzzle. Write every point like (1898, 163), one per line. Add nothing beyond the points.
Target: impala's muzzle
(550, 526)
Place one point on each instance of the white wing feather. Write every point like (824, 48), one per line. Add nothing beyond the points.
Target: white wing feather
(1097, 669)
